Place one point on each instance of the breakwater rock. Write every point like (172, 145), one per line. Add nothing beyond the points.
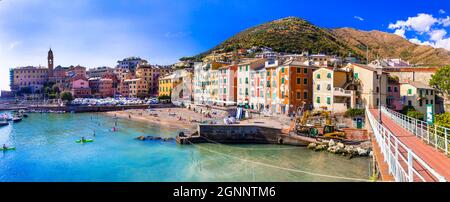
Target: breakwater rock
(149, 138)
(340, 148)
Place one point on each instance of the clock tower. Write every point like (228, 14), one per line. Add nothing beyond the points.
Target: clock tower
(50, 63)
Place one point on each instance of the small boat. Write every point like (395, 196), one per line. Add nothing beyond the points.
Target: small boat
(84, 141)
(16, 119)
(3, 123)
(25, 115)
(8, 148)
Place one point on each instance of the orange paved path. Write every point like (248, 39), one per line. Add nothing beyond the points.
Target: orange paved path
(434, 158)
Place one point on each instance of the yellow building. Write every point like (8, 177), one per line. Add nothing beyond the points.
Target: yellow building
(166, 84)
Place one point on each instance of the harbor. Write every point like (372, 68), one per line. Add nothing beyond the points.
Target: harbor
(40, 145)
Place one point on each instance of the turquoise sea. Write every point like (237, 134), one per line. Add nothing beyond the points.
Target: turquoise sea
(47, 152)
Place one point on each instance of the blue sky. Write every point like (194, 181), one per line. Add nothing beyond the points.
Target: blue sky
(100, 32)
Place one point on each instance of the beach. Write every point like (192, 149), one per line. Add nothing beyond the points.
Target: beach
(180, 118)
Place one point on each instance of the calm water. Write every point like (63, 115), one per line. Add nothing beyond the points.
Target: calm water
(46, 151)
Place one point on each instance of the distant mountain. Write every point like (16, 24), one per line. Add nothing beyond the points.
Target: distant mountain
(295, 35)
(291, 35)
(386, 45)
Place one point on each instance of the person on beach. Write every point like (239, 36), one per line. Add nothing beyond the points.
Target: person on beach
(82, 139)
(4, 146)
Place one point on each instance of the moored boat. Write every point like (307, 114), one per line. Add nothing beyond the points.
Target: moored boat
(16, 119)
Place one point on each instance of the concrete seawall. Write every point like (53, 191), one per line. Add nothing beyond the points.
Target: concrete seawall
(244, 134)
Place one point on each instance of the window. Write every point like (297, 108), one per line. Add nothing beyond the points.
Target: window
(282, 80)
(329, 75)
(318, 76)
(378, 89)
(378, 102)
(420, 103)
(389, 89)
(224, 90)
(329, 87)
(426, 92)
(409, 91)
(426, 101)
(282, 70)
(318, 100)
(431, 101)
(305, 81)
(431, 92)
(246, 91)
(268, 73)
(224, 80)
(299, 70)
(240, 68)
(318, 86)
(299, 95)
(240, 80)
(246, 80)
(305, 70)
(409, 103)
(246, 68)
(395, 89)
(299, 81)
(305, 95)
(356, 75)
(328, 100)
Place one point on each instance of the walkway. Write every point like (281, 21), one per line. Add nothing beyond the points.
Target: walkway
(434, 158)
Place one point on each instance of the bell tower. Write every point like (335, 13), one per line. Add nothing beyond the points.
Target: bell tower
(50, 63)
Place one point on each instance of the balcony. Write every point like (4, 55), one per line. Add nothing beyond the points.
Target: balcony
(341, 92)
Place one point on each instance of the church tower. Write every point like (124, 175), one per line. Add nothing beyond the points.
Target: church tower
(50, 63)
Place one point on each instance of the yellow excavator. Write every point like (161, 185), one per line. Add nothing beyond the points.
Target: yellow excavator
(305, 129)
(329, 130)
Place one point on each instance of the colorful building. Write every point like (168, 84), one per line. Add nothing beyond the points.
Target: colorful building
(151, 74)
(80, 87)
(137, 88)
(417, 95)
(332, 90)
(244, 86)
(32, 78)
(227, 88)
(368, 78)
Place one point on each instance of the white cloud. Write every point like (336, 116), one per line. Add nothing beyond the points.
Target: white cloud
(419, 42)
(437, 35)
(358, 18)
(441, 11)
(14, 44)
(421, 23)
(445, 21)
(400, 32)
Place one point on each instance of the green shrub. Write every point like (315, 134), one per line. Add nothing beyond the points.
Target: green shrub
(355, 112)
(66, 96)
(443, 119)
(412, 112)
(164, 97)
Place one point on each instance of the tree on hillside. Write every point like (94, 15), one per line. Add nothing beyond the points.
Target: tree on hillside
(440, 80)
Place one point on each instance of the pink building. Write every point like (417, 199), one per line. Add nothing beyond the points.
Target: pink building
(227, 85)
(393, 99)
(80, 87)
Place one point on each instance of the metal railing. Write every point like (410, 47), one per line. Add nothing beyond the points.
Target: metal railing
(401, 160)
(432, 134)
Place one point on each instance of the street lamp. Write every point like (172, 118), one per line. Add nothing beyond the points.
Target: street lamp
(380, 74)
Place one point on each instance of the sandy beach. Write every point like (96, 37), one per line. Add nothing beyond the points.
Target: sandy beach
(181, 118)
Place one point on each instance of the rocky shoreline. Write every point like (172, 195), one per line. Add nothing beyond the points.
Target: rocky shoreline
(340, 148)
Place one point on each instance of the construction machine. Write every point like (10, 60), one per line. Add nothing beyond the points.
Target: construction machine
(307, 123)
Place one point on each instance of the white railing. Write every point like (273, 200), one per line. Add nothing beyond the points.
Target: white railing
(401, 160)
(341, 90)
(434, 135)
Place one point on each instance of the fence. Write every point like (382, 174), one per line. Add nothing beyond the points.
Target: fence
(432, 134)
(403, 163)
